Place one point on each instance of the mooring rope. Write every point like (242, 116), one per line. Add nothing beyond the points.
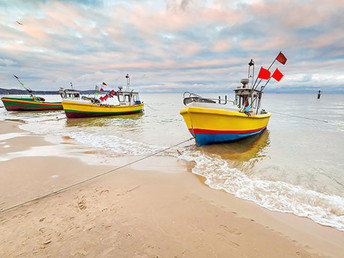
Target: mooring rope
(308, 118)
(91, 178)
(150, 107)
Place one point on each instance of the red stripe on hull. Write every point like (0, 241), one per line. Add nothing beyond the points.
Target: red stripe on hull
(205, 131)
(24, 108)
(84, 114)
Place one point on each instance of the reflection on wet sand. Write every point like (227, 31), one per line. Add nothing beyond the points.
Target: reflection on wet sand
(100, 121)
(242, 154)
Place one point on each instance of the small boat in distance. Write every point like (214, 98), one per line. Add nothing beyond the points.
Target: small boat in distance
(220, 120)
(128, 102)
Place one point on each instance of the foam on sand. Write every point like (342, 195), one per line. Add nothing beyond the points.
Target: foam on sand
(275, 195)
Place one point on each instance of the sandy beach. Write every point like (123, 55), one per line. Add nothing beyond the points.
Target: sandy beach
(159, 210)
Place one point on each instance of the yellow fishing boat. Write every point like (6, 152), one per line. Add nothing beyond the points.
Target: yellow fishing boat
(78, 109)
(113, 103)
(220, 120)
(213, 124)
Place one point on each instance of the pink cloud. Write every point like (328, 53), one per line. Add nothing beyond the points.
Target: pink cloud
(221, 45)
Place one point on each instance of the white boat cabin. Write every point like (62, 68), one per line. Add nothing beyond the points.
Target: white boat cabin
(127, 98)
(246, 98)
(69, 93)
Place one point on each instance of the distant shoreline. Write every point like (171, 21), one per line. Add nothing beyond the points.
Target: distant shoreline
(42, 92)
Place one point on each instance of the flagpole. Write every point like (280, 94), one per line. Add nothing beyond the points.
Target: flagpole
(268, 70)
(265, 84)
(22, 84)
(254, 85)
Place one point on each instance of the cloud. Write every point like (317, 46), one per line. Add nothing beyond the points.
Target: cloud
(170, 45)
(221, 46)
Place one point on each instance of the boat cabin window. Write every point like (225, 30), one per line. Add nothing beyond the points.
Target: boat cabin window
(120, 97)
(73, 95)
(124, 98)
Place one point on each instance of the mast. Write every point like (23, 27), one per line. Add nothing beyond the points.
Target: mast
(22, 84)
(251, 63)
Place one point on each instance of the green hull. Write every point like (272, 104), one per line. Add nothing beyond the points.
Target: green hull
(29, 104)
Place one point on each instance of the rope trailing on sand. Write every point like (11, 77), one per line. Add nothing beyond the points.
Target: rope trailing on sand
(91, 178)
(303, 117)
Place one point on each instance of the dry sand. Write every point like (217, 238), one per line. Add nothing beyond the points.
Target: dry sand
(139, 213)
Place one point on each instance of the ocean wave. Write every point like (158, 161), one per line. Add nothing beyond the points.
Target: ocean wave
(274, 195)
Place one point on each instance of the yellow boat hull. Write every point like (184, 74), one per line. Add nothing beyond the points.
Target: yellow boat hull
(75, 109)
(209, 125)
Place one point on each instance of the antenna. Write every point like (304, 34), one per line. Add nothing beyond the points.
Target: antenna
(128, 81)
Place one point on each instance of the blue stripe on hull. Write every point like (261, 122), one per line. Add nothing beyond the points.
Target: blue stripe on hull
(206, 139)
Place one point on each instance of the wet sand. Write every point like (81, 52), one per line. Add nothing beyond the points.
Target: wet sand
(154, 211)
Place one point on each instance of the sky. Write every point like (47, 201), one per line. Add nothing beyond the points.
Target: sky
(171, 45)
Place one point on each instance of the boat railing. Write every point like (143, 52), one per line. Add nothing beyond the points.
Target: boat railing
(189, 97)
(92, 99)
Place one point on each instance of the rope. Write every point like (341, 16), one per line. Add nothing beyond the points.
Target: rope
(150, 107)
(91, 178)
(321, 120)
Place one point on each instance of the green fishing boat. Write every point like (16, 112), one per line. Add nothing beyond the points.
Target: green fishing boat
(31, 103)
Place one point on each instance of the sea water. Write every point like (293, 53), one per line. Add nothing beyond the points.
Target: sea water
(295, 166)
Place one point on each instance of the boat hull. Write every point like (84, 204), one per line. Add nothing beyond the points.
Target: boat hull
(210, 126)
(29, 104)
(79, 110)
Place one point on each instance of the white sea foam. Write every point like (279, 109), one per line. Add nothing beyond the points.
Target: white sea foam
(8, 136)
(274, 195)
(115, 144)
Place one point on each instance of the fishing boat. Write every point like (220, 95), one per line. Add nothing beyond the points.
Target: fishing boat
(220, 120)
(32, 103)
(128, 102)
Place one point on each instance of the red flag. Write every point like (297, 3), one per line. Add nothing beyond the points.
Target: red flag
(106, 97)
(101, 89)
(264, 74)
(104, 83)
(277, 75)
(281, 58)
(112, 92)
(101, 98)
